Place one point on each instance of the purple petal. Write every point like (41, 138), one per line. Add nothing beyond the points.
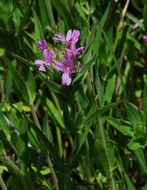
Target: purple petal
(42, 68)
(47, 54)
(69, 52)
(145, 38)
(42, 45)
(69, 64)
(68, 60)
(74, 52)
(76, 33)
(39, 62)
(69, 35)
(60, 66)
(79, 50)
(60, 37)
(75, 36)
(66, 80)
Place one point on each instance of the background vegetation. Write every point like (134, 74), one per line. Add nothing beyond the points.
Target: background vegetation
(92, 134)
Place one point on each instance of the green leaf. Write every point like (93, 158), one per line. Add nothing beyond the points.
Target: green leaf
(117, 124)
(67, 118)
(23, 60)
(141, 159)
(145, 187)
(62, 8)
(2, 169)
(12, 167)
(99, 30)
(46, 128)
(4, 126)
(83, 70)
(104, 157)
(145, 101)
(26, 88)
(26, 17)
(121, 42)
(2, 149)
(135, 117)
(130, 184)
(31, 87)
(34, 141)
(134, 19)
(48, 148)
(20, 85)
(55, 114)
(91, 116)
(9, 84)
(100, 111)
(39, 34)
(145, 16)
(110, 89)
(64, 93)
(134, 144)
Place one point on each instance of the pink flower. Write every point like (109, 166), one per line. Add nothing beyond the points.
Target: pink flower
(47, 55)
(145, 38)
(71, 54)
(67, 68)
(71, 38)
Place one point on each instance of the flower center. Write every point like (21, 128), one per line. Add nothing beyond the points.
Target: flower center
(67, 68)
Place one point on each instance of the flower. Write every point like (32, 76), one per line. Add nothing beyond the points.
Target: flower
(47, 55)
(71, 38)
(70, 64)
(42, 45)
(145, 38)
(41, 63)
(67, 68)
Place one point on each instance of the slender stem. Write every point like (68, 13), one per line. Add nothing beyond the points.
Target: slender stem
(55, 180)
(11, 164)
(35, 116)
(123, 14)
(53, 172)
(15, 169)
(121, 25)
(118, 36)
(2, 184)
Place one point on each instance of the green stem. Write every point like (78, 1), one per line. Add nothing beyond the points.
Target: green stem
(53, 173)
(55, 180)
(5, 159)
(2, 184)
(35, 116)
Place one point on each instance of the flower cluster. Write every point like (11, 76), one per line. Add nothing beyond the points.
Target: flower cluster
(68, 65)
